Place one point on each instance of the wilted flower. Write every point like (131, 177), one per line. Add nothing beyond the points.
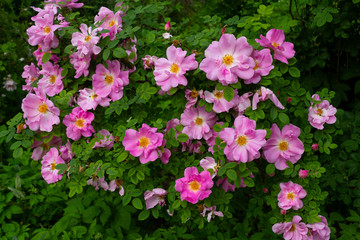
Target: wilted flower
(154, 197)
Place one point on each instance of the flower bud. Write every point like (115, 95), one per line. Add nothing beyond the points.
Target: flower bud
(288, 99)
(266, 190)
(315, 146)
(167, 26)
(271, 175)
(223, 30)
(283, 212)
(303, 173)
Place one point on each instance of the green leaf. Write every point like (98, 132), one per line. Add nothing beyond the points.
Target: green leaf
(111, 171)
(113, 43)
(119, 53)
(46, 57)
(18, 152)
(4, 133)
(179, 128)
(61, 167)
(176, 204)
(208, 107)
(217, 128)
(284, 118)
(229, 94)
(106, 54)
(273, 114)
(143, 215)
(270, 169)
(294, 72)
(249, 182)
(182, 137)
(122, 156)
(231, 174)
(15, 145)
(150, 38)
(136, 202)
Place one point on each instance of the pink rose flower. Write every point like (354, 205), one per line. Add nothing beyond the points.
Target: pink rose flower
(294, 230)
(212, 213)
(244, 142)
(110, 21)
(275, 40)
(303, 173)
(110, 82)
(243, 103)
(209, 163)
(290, 195)
(194, 186)
(117, 184)
(68, 3)
(39, 112)
(80, 63)
(225, 184)
(197, 122)
(283, 146)
(315, 146)
(167, 26)
(264, 94)
(66, 152)
(78, 124)
(321, 113)
(31, 74)
(86, 40)
(220, 103)
(169, 73)
(98, 182)
(88, 99)
(107, 142)
(263, 61)
(41, 148)
(155, 197)
(149, 61)
(228, 59)
(38, 54)
(49, 162)
(144, 144)
(51, 81)
(192, 97)
(319, 230)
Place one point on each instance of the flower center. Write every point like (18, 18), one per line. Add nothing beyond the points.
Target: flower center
(87, 38)
(94, 96)
(144, 142)
(112, 23)
(199, 121)
(293, 228)
(219, 95)
(109, 79)
(283, 146)
(119, 182)
(52, 165)
(20, 127)
(174, 68)
(43, 108)
(47, 29)
(52, 79)
(290, 196)
(228, 59)
(241, 140)
(45, 146)
(275, 44)
(194, 185)
(319, 111)
(256, 66)
(79, 122)
(194, 94)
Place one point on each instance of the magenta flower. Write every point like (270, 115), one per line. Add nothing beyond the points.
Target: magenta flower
(225, 184)
(31, 74)
(264, 94)
(321, 113)
(263, 61)
(315, 146)
(155, 197)
(170, 72)
(228, 59)
(197, 122)
(86, 40)
(167, 26)
(88, 99)
(194, 186)
(212, 213)
(80, 63)
(283, 146)
(115, 184)
(209, 163)
(39, 112)
(275, 40)
(303, 173)
(107, 142)
(149, 61)
(49, 162)
(78, 124)
(110, 82)
(243, 103)
(65, 151)
(290, 195)
(220, 103)
(319, 230)
(143, 144)
(51, 81)
(110, 21)
(42, 147)
(192, 97)
(244, 142)
(294, 230)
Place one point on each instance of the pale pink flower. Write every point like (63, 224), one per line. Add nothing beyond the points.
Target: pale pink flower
(166, 35)
(172, 124)
(88, 99)
(9, 84)
(155, 197)
(263, 61)
(225, 184)
(115, 184)
(319, 230)
(80, 63)
(303, 173)
(264, 94)
(197, 122)
(321, 113)
(31, 74)
(275, 40)
(98, 182)
(244, 142)
(39, 112)
(220, 103)
(78, 124)
(228, 59)
(110, 82)
(51, 81)
(38, 54)
(143, 144)
(149, 61)
(49, 162)
(209, 163)
(129, 45)
(107, 142)
(68, 3)
(194, 186)
(212, 213)
(110, 21)
(192, 97)
(290, 195)
(294, 230)
(169, 73)
(122, 8)
(193, 147)
(86, 40)
(42, 147)
(167, 26)
(283, 146)
(164, 153)
(243, 103)
(66, 152)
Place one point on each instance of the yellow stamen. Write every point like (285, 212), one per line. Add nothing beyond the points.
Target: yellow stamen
(47, 29)
(283, 146)
(293, 228)
(194, 94)
(256, 66)
(275, 44)
(87, 38)
(52, 79)
(319, 111)
(52, 165)
(174, 68)
(79, 122)
(94, 96)
(290, 196)
(194, 185)
(199, 121)
(112, 23)
(228, 60)
(241, 140)
(43, 108)
(109, 79)
(219, 95)
(144, 142)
